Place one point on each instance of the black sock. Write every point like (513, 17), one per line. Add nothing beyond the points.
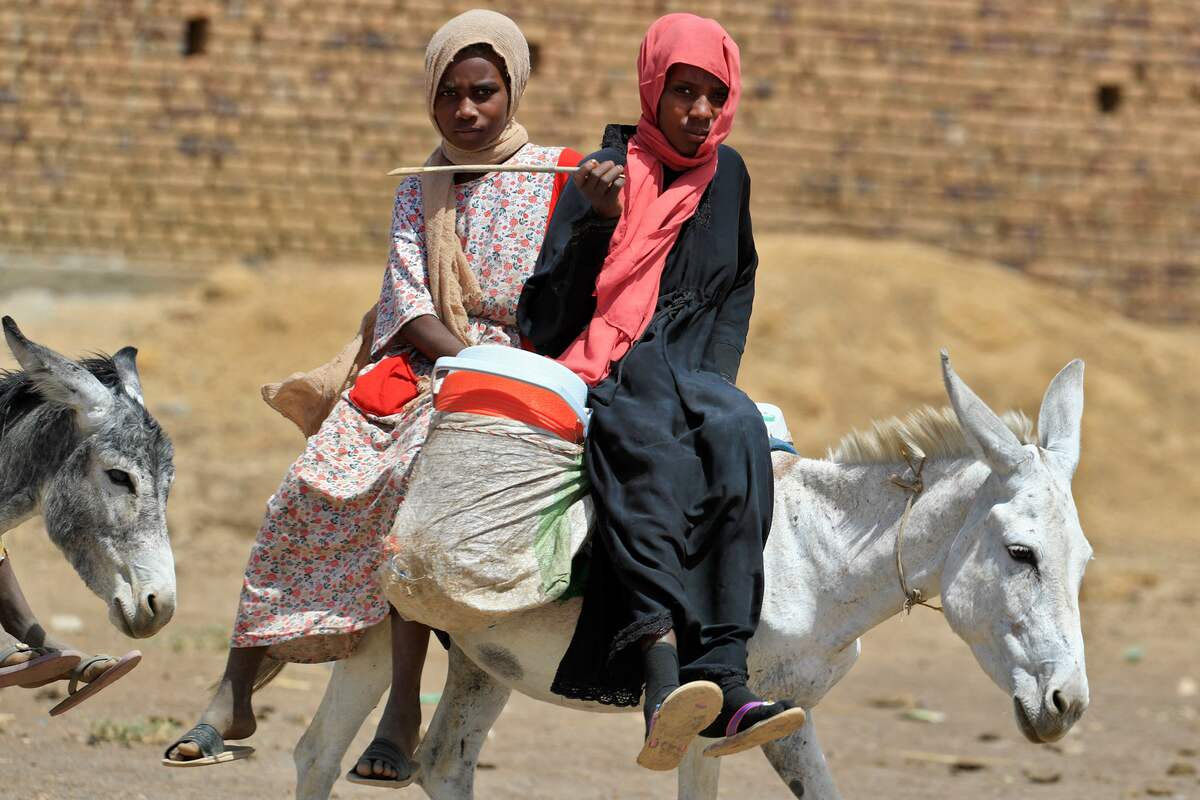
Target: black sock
(661, 667)
(736, 697)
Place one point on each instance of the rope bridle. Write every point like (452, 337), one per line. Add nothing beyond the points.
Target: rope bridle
(914, 486)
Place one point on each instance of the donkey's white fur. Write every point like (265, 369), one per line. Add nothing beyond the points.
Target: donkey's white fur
(997, 536)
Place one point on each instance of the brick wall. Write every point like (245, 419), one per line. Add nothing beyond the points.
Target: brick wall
(1058, 136)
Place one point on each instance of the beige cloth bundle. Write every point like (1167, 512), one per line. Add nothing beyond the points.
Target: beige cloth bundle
(306, 398)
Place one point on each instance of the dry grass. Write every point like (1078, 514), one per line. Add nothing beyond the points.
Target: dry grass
(141, 730)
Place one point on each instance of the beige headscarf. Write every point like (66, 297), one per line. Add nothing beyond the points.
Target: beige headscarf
(452, 284)
(306, 398)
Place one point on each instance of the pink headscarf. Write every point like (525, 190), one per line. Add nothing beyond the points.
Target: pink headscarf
(627, 287)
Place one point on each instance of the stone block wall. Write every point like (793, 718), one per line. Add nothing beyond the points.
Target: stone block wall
(1058, 136)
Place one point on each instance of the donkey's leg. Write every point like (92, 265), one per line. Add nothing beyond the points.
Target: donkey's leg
(698, 776)
(798, 760)
(354, 689)
(470, 704)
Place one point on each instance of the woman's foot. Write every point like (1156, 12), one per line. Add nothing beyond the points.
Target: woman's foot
(232, 717)
(660, 666)
(93, 667)
(21, 662)
(388, 760)
(390, 767)
(746, 721)
(676, 722)
(13, 651)
(113, 669)
(93, 670)
(400, 731)
(211, 748)
(230, 714)
(675, 714)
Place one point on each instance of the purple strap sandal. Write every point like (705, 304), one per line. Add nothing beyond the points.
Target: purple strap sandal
(782, 724)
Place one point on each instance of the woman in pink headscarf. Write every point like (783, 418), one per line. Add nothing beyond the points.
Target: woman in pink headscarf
(644, 287)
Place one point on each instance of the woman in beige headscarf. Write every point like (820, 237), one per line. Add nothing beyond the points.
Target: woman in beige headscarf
(462, 246)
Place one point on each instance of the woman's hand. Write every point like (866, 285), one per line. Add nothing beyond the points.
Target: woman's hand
(601, 184)
(428, 335)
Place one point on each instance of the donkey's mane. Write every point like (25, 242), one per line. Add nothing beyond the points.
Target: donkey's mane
(935, 432)
(38, 435)
(18, 395)
(19, 398)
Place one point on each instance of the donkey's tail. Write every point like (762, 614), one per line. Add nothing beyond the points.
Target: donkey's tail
(268, 671)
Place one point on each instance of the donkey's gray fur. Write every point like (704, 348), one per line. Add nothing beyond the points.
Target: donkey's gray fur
(78, 445)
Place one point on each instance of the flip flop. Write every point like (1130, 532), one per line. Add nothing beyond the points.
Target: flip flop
(212, 747)
(782, 724)
(679, 718)
(50, 665)
(57, 678)
(382, 750)
(75, 695)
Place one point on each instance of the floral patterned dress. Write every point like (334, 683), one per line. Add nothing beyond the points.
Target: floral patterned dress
(310, 588)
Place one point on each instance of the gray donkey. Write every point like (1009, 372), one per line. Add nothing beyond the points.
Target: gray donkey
(78, 446)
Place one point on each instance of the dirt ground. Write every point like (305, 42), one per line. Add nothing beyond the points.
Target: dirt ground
(844, 332)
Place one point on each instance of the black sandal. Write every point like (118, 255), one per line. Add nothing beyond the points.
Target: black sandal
(213, 749)
(785, 723)
(382, 750)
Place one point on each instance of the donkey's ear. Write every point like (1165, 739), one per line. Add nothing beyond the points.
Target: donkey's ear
(1059, 419)
(131, 383)
(986, 433)
(59, 379)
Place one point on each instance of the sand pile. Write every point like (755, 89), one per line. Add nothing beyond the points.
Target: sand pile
(844, 331)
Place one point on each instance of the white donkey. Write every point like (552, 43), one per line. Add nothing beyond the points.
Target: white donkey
(993, 530)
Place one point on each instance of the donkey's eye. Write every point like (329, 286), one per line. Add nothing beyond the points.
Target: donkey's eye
(120, 478)
(1022, 554)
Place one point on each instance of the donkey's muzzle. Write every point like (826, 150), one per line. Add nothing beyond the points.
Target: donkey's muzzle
(152, 610)
(143, 600)
(142, 607)
(1061, 706)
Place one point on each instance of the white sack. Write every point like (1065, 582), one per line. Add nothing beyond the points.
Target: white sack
(494, 513)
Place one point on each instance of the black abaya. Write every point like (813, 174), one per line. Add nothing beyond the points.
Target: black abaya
(678, 457)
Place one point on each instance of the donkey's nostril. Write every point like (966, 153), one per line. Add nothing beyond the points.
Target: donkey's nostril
(1059, 701)
(150, 605)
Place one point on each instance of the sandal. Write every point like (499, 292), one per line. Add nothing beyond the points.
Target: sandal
(782, 724)
(118, 670)
(382, 750)
(50, 664)
(212, 748)
(679, 718)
